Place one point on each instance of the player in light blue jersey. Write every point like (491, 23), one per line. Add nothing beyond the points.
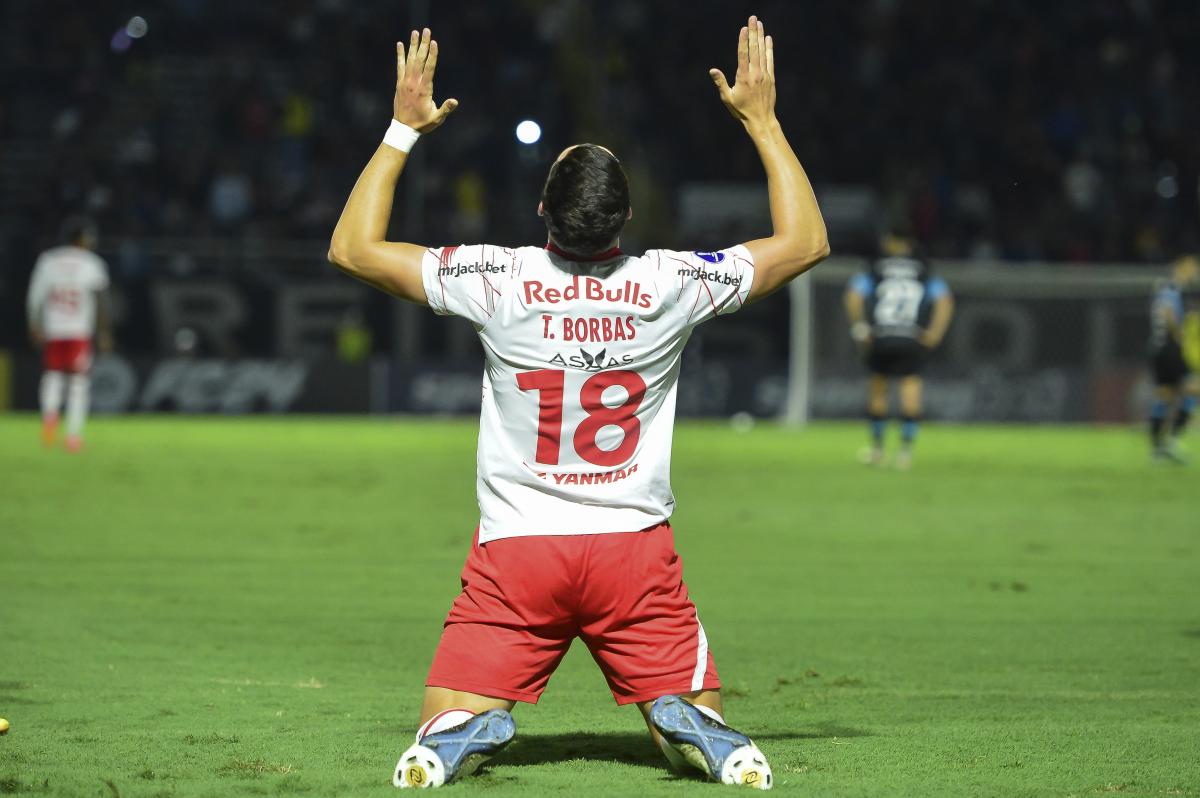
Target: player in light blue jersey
(1175, 386)
(898, 313)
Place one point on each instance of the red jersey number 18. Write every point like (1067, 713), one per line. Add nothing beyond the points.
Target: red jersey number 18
(549, 384)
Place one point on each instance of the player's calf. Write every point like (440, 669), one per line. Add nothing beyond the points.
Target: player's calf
(49, 429)
(1158, 419)
(873, 455)
(1183, 415)
(50, 397)
(444, 753)
(703, 740)
(909, 425)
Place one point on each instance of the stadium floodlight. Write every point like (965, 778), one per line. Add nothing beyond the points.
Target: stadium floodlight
(529, 132)
(137, 27)
(123, 39)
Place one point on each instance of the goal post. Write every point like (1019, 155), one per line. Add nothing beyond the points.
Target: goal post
(800, 354)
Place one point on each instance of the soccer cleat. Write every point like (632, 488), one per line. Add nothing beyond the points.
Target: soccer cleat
(440, 758)
(1170, 452)
(904, 460)
(871, 456)
(73, 444)
(49, 430)
(725, 754)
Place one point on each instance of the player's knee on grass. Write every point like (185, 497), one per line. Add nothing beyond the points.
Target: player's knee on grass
(707, 701)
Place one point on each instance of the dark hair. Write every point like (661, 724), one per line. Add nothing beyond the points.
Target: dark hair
(586, 200)
(75, 228)
(899, 233)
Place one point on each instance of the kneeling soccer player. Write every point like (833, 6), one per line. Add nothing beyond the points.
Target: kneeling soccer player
(582, 345)
(898, 313)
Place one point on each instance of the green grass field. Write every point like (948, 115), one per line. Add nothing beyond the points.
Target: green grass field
(205, 607)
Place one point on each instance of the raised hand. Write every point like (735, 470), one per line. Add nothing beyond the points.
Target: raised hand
(414, 104)
(752, 97)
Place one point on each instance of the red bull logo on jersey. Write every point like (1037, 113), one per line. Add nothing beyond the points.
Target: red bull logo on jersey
(590, 289)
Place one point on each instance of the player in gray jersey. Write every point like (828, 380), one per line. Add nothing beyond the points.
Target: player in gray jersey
(1175, 386)
(898, 313)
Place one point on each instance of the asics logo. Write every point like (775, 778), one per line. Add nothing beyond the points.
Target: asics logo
(586, 361)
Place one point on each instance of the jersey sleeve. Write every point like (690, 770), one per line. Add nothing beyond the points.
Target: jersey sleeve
(862, 284)
(467, 281)
(1168, 303)
(702, 285)
(936, 288)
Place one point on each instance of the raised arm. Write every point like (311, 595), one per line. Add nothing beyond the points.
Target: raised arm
(798, 241)
(359, 246)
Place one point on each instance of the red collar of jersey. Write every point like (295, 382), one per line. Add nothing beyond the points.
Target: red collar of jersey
(615, 252)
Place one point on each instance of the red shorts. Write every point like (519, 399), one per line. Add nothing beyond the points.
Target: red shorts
(72, 355)
(525, 599)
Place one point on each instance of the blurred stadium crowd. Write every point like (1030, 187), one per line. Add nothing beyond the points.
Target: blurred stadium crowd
(1009, 129)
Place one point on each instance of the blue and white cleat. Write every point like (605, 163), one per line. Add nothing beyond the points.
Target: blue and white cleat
(725, 754)
(1170, 452)
(438, 759)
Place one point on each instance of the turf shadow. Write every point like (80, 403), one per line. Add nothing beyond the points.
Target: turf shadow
(628, 748)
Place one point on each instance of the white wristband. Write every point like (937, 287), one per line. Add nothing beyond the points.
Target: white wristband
(400, 136)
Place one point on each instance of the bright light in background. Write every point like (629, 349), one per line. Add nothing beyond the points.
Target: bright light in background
(136, 28)
(529, 132)
(1167, 187)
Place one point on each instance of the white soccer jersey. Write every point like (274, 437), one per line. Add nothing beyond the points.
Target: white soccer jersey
(581, 366)
(62, 292)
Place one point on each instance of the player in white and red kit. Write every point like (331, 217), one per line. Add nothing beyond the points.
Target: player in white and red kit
(67, 307)
(582, 350)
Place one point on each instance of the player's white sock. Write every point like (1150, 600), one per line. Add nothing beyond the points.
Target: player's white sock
(78, 395)
(51, 394)
(446, 719)
(712, 713)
